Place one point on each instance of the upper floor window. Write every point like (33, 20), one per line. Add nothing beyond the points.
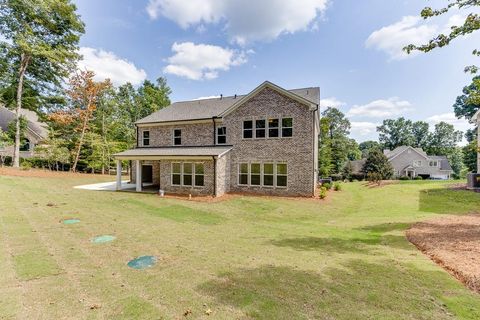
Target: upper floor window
(221, 135)
(248, 129)
(25, 146)
(433, 163)
(260, 129)
(177, 137)
(417, 163)
(273, 125)
(146, 138)
(287, 127)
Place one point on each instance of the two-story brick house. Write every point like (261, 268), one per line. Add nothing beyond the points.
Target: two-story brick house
(264, 142)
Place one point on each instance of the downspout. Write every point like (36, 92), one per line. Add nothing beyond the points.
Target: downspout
(214, 176)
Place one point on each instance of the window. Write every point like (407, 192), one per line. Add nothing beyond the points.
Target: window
(260, 129)
(287, 127)
(273, 128)
(282, 174)
(433, 164)
(417, 163)
(177, 137)
(187, 174)
(146, 138)
(199, 175)
(25, 146)
(255, 174)
(243, 174)
(248, 129)
(221, 135)
(268, 174)
(176, 174)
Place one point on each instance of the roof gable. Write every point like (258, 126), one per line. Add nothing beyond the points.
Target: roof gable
(400, 150)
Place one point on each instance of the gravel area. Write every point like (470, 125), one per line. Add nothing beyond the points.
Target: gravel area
(454, 243)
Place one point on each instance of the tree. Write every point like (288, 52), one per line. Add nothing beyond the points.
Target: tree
(470, 25)
(455, 158)
(347, 170)
(444, 139)
(40, 46)
(421, 134)
(468, 103)
(325, 149)
(377, 165)
(5, 141)
(470, 156)
(366, 146)
(396, 133)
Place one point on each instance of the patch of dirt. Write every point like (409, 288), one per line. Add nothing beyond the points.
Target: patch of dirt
(453, 242)
(382, 183)
(39, 173)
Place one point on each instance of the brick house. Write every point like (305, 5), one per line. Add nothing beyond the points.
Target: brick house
(264, 142)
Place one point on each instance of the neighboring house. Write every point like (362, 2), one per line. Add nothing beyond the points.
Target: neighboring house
(265, 142)
(476, 120)
(36, 132)
(414, 162)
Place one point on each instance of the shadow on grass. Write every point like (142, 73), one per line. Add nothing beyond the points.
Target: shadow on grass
(356, 290)
(385, 227)
(177, 213)
(449, 201)
(328, 245)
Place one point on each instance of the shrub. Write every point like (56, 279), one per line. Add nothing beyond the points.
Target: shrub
(336, 177)
(374, 177)
(337, 186)
(404, 178)
(26, 165)
(327, 186)
(323, 193)
(418, 178)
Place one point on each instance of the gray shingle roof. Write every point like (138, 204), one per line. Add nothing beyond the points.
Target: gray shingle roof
(208, 108)
(7, 116)
(173, 152)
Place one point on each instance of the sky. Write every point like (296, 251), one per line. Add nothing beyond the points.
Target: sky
(351, 49)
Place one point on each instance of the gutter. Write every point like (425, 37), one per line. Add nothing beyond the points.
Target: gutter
(315, 137)
(214, 130)
(214, 176)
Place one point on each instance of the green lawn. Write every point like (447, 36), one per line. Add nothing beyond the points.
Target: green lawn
(242, 258)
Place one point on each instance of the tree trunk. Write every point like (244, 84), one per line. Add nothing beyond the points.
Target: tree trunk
(24, 60)
(80, 143)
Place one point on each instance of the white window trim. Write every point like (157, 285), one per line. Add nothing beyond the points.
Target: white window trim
(265, 129)
(281, 127)
(143, 138)
(262, 185)
(273, 175)
(434, 161)
(417, 163)
(243, 129)
(222, 135)
(194, 169)
(173, 137)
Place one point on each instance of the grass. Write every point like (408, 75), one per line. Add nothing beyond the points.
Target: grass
(242, 258)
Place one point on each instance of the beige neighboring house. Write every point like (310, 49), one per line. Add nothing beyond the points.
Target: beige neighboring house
(476, 120)
(36, 132)
(264, 142)
(413, 162)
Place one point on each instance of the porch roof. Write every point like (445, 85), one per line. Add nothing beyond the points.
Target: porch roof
(172, 153)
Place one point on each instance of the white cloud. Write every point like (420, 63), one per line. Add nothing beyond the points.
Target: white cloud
(460, 124)
(244, 21)
(381, 108)
(393, 38)
(363, 128)
(331, 102)
(107, 65)
(202, 61)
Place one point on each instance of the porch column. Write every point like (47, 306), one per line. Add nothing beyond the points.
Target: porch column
(119, 175)
(138, 173)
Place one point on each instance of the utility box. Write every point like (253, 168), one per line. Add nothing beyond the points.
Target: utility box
(473, 181)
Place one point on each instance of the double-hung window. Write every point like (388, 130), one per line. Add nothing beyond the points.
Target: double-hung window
(282, 175)
(221, 135)
(188, 174)
(177, 137)
(433, 164)
(247, 129)
(273, 128)
(259, 129)
(146, 138)
(287, 127)
(255, 174)
(268, 175)
(243, 173)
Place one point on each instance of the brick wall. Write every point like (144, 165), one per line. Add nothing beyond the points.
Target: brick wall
(192, 135)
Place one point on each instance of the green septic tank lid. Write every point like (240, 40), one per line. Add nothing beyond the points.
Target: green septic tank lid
(142, 262)
(71, 221)
(103, 239)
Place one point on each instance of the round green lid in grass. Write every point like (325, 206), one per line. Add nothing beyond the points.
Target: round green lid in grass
(142, 262)
(103, 239)
(71, 221)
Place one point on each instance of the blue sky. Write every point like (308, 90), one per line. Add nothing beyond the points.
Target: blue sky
(350, 49)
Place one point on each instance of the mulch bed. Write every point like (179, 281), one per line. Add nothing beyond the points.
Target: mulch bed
(453, 242)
